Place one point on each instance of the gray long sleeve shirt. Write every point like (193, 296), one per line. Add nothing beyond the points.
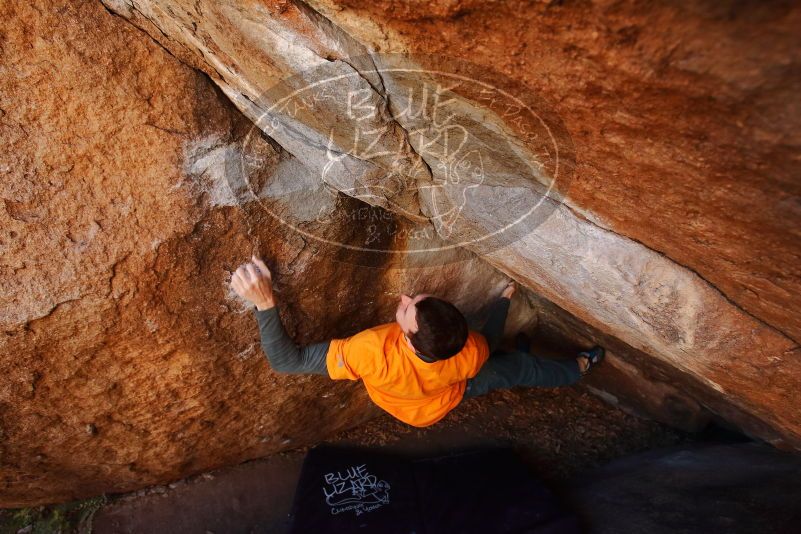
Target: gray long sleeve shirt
(283, 354)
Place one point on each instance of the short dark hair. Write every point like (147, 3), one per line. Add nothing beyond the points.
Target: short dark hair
(441, 329)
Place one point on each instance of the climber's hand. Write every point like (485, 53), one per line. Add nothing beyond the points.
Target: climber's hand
(253, 282)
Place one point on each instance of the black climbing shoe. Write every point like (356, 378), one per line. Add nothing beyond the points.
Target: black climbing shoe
(594, 356)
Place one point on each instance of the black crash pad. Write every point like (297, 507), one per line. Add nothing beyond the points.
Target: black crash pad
(346, 490)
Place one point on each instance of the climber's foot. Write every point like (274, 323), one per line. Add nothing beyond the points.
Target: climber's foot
(509, 290)
(590, 358)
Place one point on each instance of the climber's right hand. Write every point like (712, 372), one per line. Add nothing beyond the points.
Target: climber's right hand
(253, 282)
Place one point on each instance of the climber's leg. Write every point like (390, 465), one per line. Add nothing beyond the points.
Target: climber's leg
(283, 354)
(493, 328)
(506, 369)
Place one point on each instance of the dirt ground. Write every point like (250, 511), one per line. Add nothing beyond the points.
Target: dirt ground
(559, 432)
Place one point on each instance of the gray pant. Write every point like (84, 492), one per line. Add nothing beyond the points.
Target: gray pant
(503, 369)
(506, 369)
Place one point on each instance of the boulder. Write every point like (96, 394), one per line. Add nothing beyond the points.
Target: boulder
(127, 360)
(707, 487)
(630, 165)
(634, 178)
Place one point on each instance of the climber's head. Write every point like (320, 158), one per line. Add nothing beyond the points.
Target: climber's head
(435, 327)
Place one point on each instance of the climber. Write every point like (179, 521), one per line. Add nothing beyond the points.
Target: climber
(419, 367)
